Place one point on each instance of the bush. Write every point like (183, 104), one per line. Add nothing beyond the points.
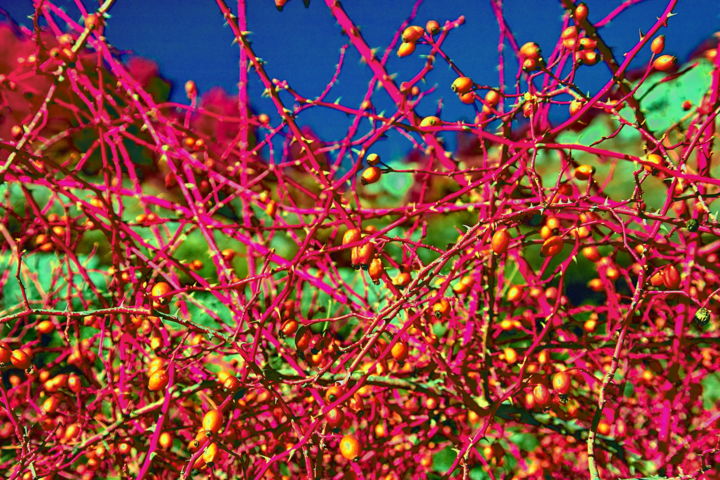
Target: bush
(204, 290)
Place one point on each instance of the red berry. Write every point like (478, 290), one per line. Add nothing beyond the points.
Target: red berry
(541, 395)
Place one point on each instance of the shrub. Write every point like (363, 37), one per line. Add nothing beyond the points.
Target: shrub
(207, 290)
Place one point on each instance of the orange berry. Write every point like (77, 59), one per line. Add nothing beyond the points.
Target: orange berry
(375, 270)
(467, 98)
(432, 27)
(20, 359)
(413, 33)
(349, 447)
(399, 351)
(591, 253)
(530, 50)
(665, 63)
(159, 290)
(212, 421)
(16, 131)
(654, 159)
(553, 223)
(462, 85)
(5, 354)
(581, 13)
(546, 232)
(124, 448)
(587, 43)
(658, 44)
(500, 241)
(289, 327)
(441, 308)
(529, 400)
(165, 440)
(514, 293)
(511, 356)
(596, 285)
(552, 246)
(158, 381)
(588, 57)
(155, 365)
(603, 428)
(580, 232)
(334, 417)
(74, 383)
(93, 21)
(584, 172)
(333, 393)
(402, 279)
(370, 175)
(210, 453)
(430, 121)
(612, 273)
(529, 65)
(569, 37)
(541, 395)
(190, 89)
(671, 277)
(569, 32)
(50, 404)
(405, 49)
(464, 285)
(656, 280)
(352, 235)
(590, 325)
(362, 255)
(561, 382)
(575, 106)
(271, 208)
(492, 98)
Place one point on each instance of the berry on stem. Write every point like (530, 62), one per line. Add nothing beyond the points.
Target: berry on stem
(212, 421)
(665, 63)
(413, 33)
(21, 359)
(350, 447)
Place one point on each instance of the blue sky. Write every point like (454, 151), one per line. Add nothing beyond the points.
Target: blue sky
(301, 45)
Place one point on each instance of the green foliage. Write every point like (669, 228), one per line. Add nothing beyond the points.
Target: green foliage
(711, 390)
(204, 302)
(662, 102)
(396, 184)
(41, 272)
(443, 460)
(524, 441)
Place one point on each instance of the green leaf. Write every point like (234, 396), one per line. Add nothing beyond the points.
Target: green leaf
(711, 390)
(443, 460)
(525, 441)
(479, 474)
(662, 104)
